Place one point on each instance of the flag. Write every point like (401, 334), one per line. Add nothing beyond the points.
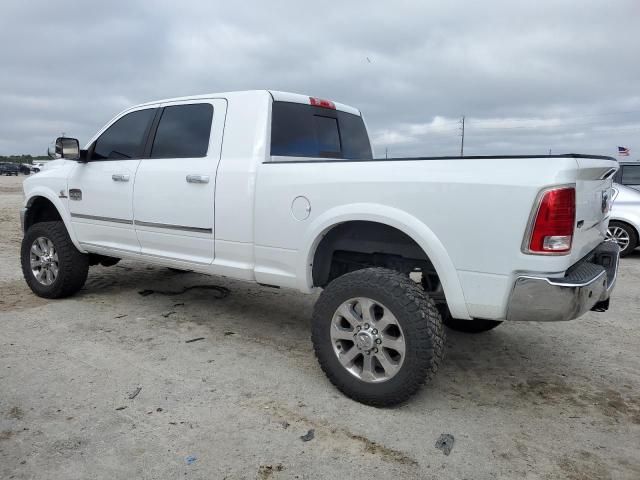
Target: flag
(623, 151)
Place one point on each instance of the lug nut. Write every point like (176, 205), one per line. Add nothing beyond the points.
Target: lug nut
(378, 341)
(375, 350)
(366, 325)
(359, 328)
(374, 331)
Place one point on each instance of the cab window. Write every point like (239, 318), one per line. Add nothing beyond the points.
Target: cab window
(125, 138)
(183, 131)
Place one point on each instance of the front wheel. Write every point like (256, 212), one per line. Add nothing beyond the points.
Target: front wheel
(377, 335)
(624, 235)
(52, 266)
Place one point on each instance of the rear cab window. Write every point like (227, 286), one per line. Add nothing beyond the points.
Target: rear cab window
(300, 130)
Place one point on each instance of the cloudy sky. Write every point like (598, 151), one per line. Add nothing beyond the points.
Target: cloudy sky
(529, 76)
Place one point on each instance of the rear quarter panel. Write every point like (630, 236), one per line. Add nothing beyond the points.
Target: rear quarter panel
(477, 210)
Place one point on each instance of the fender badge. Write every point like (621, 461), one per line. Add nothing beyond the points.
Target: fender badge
(62, 194)
(75, 194)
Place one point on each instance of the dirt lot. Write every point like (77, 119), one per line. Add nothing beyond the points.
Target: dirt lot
(523, 401)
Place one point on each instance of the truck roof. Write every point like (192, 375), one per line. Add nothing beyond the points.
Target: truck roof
(276, 95)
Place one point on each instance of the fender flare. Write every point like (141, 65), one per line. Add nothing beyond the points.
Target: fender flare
(47, 193)
(393, 217)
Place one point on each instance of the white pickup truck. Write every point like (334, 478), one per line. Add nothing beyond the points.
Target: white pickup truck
(283, 190)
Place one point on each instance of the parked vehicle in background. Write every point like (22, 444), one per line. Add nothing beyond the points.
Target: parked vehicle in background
(25, 168)
(628, 175)
(8, 168)
(624, 223)
(294, 198)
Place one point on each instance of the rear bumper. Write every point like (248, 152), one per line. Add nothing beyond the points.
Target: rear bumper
(587, 285)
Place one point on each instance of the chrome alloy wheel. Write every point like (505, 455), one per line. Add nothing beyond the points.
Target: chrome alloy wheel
(44, 261)
(618, 235)
(368, 340)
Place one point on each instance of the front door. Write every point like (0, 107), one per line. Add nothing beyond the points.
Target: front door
(174, 188)
(101, 191)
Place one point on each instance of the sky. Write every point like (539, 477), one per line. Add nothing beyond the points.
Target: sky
(529, 77)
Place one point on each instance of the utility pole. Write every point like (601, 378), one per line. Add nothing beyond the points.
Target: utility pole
(462, 135)
(386, 153)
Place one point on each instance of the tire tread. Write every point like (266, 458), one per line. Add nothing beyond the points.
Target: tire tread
(73, 265)
(419, 317)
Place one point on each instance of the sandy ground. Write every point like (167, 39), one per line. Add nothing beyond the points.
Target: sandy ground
(527, 401)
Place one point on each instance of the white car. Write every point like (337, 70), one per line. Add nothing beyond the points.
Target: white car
(624, 224)
(283, 189)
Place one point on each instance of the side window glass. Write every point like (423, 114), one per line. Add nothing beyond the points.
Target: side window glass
(125, 138)
(631, 175)
(183, 131)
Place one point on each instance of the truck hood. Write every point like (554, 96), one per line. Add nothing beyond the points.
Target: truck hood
(55, 164)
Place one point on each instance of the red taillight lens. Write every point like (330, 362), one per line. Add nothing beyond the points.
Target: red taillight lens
(553, 226)
(318, 102)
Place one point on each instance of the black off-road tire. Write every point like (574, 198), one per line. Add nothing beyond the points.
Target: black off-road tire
(73, 266)
(415, 312)
(470, 326)
(633, 236)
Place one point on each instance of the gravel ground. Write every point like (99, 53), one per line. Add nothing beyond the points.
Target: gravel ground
(523, 401)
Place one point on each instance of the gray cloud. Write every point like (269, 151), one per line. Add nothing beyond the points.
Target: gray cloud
(552, 74)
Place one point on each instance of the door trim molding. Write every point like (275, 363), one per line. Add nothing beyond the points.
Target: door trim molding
(173, 227)
(102, 219)
(166, 226)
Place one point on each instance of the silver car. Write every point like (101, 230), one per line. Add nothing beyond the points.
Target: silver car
(624, 224)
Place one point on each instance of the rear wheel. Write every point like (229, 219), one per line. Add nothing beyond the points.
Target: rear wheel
(52, 266)
(624, 235)
(377, 335)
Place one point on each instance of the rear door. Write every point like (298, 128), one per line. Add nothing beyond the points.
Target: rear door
(174, 187)
(101, 190)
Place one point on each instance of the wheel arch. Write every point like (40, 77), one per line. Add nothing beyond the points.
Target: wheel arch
(39, 207)
(389, 217)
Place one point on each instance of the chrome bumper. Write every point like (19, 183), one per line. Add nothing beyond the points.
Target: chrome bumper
(586, 286)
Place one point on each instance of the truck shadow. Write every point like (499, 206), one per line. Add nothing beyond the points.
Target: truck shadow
(541, 363)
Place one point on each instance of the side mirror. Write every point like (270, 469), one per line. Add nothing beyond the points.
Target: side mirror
(64, 147)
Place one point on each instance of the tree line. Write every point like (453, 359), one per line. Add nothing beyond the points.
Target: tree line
(22, 158)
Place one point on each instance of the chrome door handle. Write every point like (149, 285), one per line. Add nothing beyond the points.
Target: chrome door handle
(120, 177)
(198, 178)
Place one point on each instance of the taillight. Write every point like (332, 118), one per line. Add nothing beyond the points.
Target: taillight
(552, 230)
(318, 102)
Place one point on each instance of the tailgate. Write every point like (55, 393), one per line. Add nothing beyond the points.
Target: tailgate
(593, 203)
